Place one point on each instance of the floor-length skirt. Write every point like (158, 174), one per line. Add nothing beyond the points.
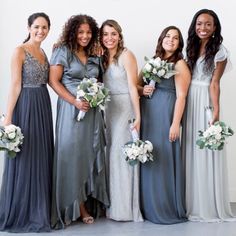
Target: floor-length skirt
(207, 191)
(162, 180)
(79, 173)
(25, 199)
(123, 178)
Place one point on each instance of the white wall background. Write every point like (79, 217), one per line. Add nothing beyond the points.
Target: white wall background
(142, 22)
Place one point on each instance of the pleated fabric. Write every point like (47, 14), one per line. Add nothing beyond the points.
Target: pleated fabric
(25, 199)
(162, 181)
(207, 192)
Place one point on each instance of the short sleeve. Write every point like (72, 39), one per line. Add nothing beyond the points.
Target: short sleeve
(60, 56)
(221, 55)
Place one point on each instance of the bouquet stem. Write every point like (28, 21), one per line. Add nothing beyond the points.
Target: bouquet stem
(152, 83)
(209, 114)
(81, 115)
(134, 132)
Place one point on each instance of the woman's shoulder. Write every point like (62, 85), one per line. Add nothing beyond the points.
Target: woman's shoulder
(63, 49)
(19, 52)
(222, 50)
(20, 49)
(127, 56)
(222, 54)
(127, 53)
(60, 55)
(181, 64)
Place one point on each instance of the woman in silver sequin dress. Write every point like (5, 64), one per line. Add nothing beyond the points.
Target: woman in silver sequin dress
(26, 187)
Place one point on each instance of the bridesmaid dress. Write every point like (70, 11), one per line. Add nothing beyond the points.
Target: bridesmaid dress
(123, 178)
(79, 173)
(25, 200)
(162, 180)
(207, 193)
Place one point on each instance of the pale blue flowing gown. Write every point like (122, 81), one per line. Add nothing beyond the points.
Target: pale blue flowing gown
(207, 192)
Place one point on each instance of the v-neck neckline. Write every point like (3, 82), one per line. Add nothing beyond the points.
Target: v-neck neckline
(77, 57)
(35, 58)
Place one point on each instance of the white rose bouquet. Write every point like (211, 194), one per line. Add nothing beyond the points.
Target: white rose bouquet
(93, 92)
(11, 138)
(156, 69)
(215, 136)
(138, 151)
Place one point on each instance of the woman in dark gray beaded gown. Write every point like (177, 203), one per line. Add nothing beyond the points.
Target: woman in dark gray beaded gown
(80, 184)
(26, 185)
(162, 182)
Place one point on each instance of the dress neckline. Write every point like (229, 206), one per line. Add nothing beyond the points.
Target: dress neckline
(36, 59)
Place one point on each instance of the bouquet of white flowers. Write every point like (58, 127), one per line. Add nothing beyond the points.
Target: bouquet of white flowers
(155, 69)
(93, 92)
(215, 136)
(11, 138)
(138, 151)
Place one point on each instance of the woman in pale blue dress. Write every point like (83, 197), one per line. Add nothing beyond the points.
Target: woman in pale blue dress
(121, 78)
(207, 193)
(162, 180)
(79, 177)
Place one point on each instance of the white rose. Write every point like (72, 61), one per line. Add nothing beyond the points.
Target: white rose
(149, 146)
(161, 72)
(94, 88)
(80, 94)
(148, 67)
(11, 135)
(143, 158)
(132, 157)
(136, 152)
(205, 134)
(154, 71)
(157, 62)
(218, 129)
(129, 152)
(10, 129)
(218, 136)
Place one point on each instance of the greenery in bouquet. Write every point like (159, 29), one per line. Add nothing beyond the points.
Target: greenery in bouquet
(215, 136)
(155, 69)
(93, 92)
(11, 138)
(138, 151)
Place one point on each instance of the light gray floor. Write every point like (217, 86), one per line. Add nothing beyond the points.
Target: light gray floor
(105, 227)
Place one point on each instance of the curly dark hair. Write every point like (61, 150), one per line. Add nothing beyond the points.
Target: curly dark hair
(160, 51)
(114, 24)
(33, 17)
(70, 30)
(194, 42)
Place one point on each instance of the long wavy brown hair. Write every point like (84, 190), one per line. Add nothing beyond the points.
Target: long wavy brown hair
(160, 51)
(120, 48)
(70, 31)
